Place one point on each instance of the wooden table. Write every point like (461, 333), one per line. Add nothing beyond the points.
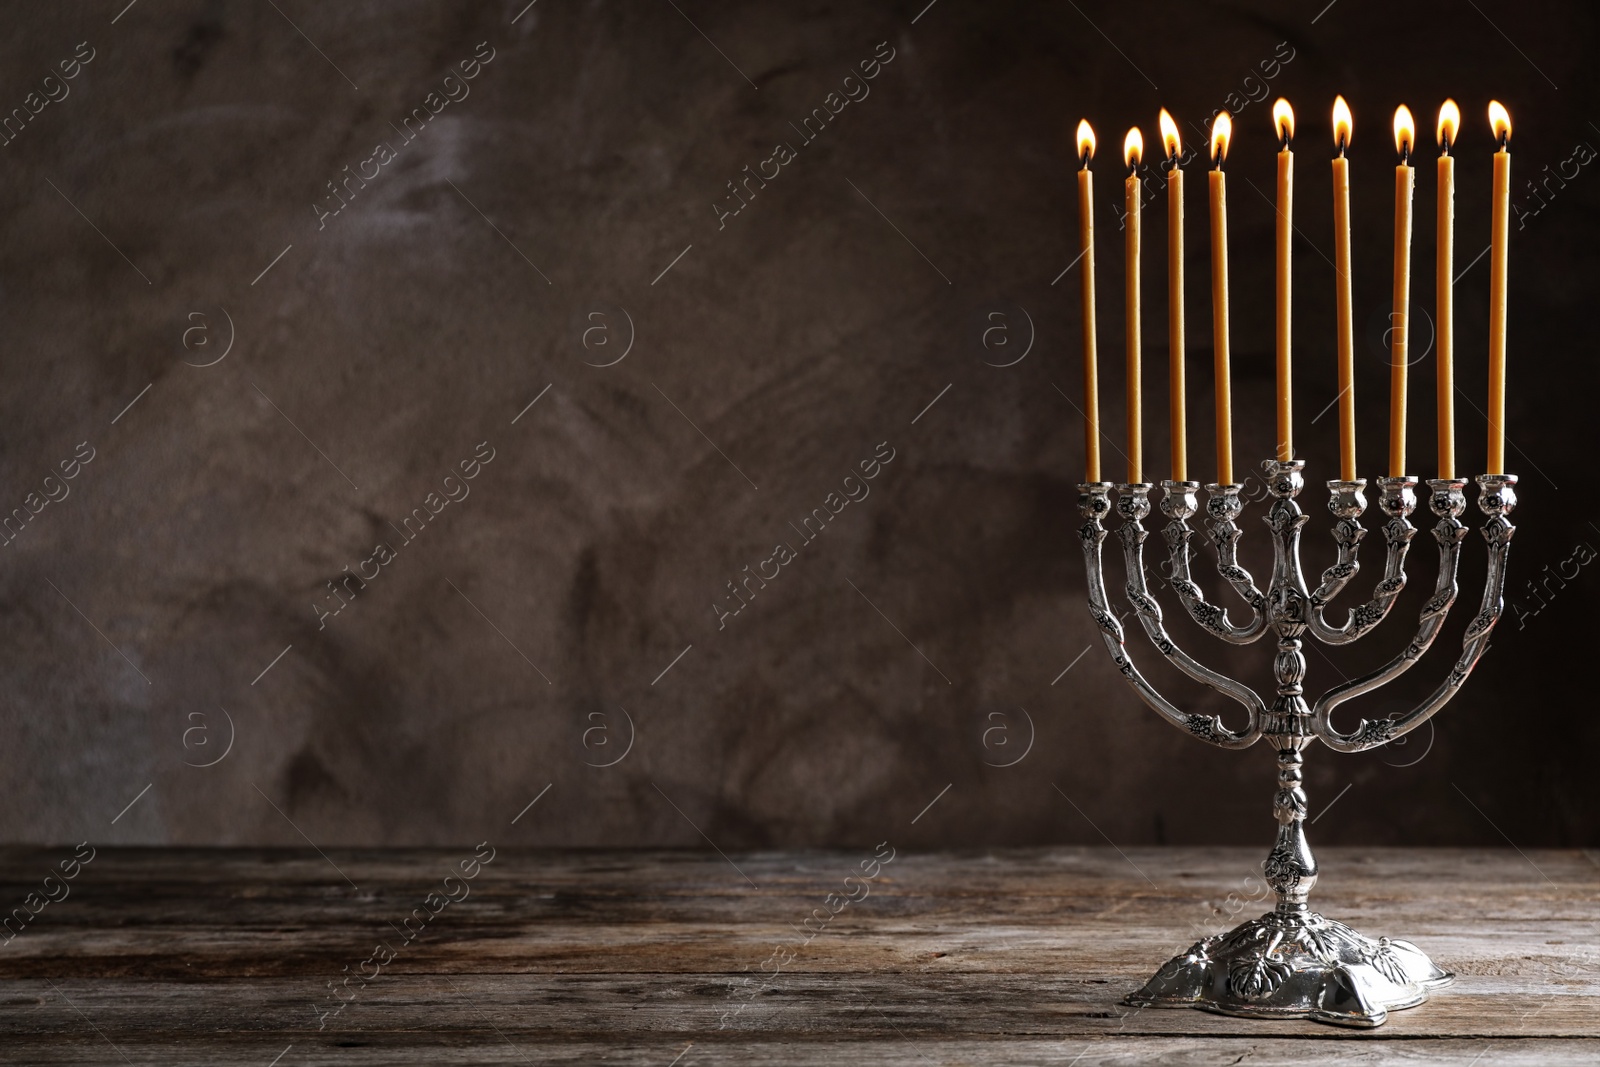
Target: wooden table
(1009, 957)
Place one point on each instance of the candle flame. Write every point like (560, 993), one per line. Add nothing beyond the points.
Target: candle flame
(1343, 124)
(1169, 135)
(1221, 134)
(1449, 124)
(1133, 147)
(1085, 141)
(1283, 120)
(1499, 121)
(1405, 131)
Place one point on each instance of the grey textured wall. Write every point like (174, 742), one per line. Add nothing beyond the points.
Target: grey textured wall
(269, 388)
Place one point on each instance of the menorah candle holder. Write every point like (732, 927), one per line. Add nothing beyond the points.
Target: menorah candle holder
(1292, 963)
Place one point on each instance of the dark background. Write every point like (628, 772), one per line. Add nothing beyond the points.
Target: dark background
(522, 638)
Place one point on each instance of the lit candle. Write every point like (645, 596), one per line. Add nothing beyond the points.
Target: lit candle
(1221, 130)
(1500, 123)
(1405, 139)
(1342, 127)
(1179, 427)
(1091, 370)
(1132, 152)
(1444, 283)
(1283, 122)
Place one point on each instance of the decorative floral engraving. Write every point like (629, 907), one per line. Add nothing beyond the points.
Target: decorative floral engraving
(1254, 977)
(1284, 515)
(1342, 571)
(1281, 870)
(1374, 732)
(1398, 531)
(1367, 616)
(1204, 727)
(1225, 535)
(1144, 604)
(1385, 962)
(1319, 943)
(1439, 604)
(1289, 802)
(1347, 533)
(1208, 615)
(1187, 590)
(1107, 622)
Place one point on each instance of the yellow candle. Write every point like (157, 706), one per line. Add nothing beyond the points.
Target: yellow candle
(1132, 152)
(1444, 283)
(1091, 370)
(1405, 139)
(1342, 127)
(1283, 122)
(1178, 421)
(1221, 130)
(1500, 122)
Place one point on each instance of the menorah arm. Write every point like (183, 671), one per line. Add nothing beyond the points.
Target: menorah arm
(1223, 507)
(1497, 498)
(1447, 502)
(1094, 501)
(1347, 501)
(1397, 501)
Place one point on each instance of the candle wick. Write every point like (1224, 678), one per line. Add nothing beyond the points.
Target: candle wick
(1405, 153)
(1505, 141)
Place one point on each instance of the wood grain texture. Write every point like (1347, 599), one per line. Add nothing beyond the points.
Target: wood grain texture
(1014, 957)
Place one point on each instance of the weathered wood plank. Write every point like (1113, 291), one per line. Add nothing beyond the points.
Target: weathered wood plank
(986, 957)
(492, 1050)
(796, 1006)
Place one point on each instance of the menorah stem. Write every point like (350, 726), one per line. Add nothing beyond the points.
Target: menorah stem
(1290, 869)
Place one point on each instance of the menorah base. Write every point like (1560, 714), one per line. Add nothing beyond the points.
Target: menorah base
(1296, 967)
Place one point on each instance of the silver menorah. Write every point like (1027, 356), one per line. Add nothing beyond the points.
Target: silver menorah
(1292, 962)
